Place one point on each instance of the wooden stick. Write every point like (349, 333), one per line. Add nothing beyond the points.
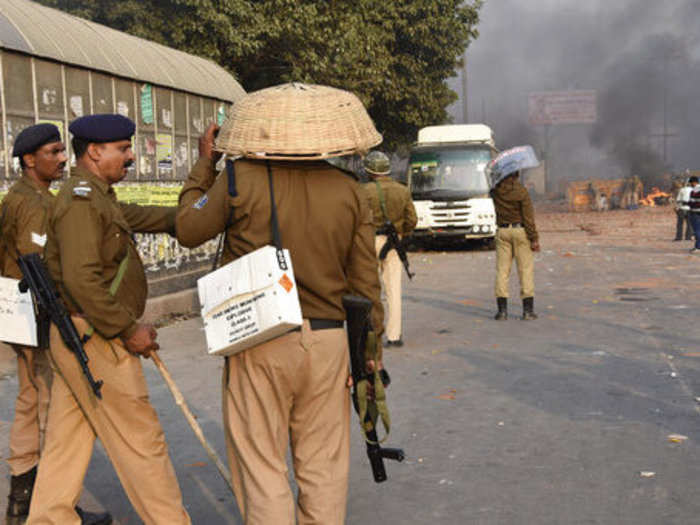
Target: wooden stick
(180, 401)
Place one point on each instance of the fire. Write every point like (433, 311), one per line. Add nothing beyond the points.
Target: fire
(653, 196)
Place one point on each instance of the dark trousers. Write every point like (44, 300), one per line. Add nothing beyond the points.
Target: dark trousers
(683, 217)
(695, 221)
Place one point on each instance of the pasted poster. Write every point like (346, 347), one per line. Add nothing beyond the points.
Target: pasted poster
(147, 104)
(161, 251)
(164, 154)
(76, 106)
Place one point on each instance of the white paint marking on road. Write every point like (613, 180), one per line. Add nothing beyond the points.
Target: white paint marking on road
(683, 383)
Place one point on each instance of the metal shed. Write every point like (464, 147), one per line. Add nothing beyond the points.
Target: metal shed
(55, 67)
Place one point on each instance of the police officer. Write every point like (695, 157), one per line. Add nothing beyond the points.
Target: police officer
(292, 388)
(93, 260)
(390, 201)
(516, 238)
(23, 220)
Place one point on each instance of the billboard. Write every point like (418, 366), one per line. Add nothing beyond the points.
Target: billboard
(562, 107)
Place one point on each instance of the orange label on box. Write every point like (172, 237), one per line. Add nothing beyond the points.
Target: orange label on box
(286, 283)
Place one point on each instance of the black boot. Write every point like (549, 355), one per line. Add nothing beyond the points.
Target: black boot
(21, 488)
(502, 314)
(92, 518)
(528, 309)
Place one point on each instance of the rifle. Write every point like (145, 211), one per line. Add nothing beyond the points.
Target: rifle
(37, 279)
(357, 310)
(393, 241)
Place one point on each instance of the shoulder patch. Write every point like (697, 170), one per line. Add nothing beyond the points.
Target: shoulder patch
(201, 202)
(82, 191)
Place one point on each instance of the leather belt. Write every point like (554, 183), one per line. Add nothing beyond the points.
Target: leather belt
(323, 324)
(511, 225)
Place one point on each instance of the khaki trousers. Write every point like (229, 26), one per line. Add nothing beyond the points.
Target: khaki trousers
(126, 424)
(31, 408)
(390, 273)
(512, 243)
(289, 391)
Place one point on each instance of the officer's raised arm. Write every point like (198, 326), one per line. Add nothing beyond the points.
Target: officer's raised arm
(203, 202)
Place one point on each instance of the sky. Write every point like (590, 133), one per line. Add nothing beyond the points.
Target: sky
(634, 53)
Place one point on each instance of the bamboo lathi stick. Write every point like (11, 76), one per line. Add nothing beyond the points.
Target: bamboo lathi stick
(180, 401)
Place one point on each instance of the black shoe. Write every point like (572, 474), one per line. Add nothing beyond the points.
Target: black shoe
(93, 518)
(20, 497)
(396, 343)
(502, 314)
(528, 309)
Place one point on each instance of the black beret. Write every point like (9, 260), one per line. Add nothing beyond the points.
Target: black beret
(102, 128)
(32, 138)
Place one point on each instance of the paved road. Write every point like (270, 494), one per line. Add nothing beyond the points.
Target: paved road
(545, 422)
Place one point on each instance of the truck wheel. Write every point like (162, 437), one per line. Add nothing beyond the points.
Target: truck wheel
(490, 243)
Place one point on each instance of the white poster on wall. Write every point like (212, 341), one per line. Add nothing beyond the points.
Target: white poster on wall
(76, 105)
(123, 108)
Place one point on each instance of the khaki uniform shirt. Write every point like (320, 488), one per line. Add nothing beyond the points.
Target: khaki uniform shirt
(513, 204)
(324, 223)
(24, 212)
(90, 233)
(399, 205)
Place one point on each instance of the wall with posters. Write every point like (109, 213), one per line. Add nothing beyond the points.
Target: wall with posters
(170, 95)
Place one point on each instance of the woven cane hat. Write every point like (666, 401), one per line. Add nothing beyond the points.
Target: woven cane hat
(297, 122)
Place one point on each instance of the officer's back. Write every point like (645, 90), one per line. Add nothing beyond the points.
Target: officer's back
(320, 210)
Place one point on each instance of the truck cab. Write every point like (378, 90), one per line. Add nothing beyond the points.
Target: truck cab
(449, 186)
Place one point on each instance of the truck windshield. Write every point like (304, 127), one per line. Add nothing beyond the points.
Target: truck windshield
(450, 172)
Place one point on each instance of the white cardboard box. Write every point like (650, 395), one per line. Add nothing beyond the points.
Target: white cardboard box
(249, 301)
(17, 321)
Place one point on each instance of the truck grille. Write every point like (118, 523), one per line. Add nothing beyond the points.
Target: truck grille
(450, 213)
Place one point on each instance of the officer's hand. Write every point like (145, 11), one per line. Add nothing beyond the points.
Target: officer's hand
(143, 340)
(370, 369)
(206, 143)
(535, 246)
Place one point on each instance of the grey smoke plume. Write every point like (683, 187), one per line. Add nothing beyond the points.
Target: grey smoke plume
(635, 53)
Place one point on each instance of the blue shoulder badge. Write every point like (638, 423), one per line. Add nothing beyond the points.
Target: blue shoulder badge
(201, 202)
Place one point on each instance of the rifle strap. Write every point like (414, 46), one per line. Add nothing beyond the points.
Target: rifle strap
(117, 281)
(376, 408)
(382, 200)
(232, 192)
(276, 237)
(113, 289)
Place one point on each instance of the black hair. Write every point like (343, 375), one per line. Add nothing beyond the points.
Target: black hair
(21, 162)
(80, 146)
(693, 179)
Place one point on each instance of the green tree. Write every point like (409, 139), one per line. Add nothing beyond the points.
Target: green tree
(396, 54)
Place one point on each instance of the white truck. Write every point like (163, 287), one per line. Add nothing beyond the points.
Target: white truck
(448, 182)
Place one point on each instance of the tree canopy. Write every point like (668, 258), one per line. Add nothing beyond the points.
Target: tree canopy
(395, 55)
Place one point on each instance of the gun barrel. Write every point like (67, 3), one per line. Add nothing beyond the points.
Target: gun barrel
(395, 454)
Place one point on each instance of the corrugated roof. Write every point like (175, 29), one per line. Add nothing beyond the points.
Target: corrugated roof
(41, 31)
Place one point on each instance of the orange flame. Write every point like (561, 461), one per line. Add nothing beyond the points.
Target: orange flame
(655, 193)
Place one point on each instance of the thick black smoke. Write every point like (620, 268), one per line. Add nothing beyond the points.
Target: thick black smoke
(635, 53)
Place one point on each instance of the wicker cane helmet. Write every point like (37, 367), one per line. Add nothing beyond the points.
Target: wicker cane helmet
(297, 122)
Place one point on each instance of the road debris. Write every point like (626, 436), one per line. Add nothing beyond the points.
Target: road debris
(677, 438)
(647, 474)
